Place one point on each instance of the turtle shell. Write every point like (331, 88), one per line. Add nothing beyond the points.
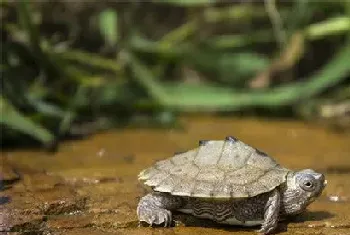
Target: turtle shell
(220, 169)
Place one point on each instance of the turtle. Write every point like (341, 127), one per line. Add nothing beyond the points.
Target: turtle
(229, 182)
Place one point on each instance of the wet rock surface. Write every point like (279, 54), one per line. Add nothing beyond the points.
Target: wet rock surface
(90, 186)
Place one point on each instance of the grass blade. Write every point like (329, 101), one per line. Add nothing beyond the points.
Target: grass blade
(12, 118)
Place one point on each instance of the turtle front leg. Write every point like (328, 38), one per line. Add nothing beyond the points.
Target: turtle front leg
(155, 208)
(271, 214)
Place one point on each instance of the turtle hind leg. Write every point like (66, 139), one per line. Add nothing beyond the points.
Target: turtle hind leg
(155, 208)
(272, 209)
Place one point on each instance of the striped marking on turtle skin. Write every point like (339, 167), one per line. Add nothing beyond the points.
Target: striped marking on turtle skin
(246, 212)
(223, 211)
(216, 211)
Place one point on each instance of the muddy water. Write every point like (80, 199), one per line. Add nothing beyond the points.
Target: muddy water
(90, 186)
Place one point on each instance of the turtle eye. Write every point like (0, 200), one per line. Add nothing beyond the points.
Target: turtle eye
(307, 183)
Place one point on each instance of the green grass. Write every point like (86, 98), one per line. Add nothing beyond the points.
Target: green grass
(64, 71)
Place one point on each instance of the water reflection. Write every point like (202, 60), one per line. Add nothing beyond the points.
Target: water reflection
(97, 177)
(311, 216)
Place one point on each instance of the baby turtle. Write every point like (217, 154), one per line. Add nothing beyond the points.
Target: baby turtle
(229, 182)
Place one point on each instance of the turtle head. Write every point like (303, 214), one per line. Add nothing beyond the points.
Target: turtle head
(311, 182)
(302, 188)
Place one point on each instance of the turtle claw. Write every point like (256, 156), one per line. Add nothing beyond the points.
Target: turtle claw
(156, 216)
(162, 216)
(152, 211)
(266, 230)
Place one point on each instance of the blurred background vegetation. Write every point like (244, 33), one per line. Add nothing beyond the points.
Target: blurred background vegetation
(72, 68)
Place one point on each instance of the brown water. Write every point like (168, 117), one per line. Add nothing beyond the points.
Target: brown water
(90, 186)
